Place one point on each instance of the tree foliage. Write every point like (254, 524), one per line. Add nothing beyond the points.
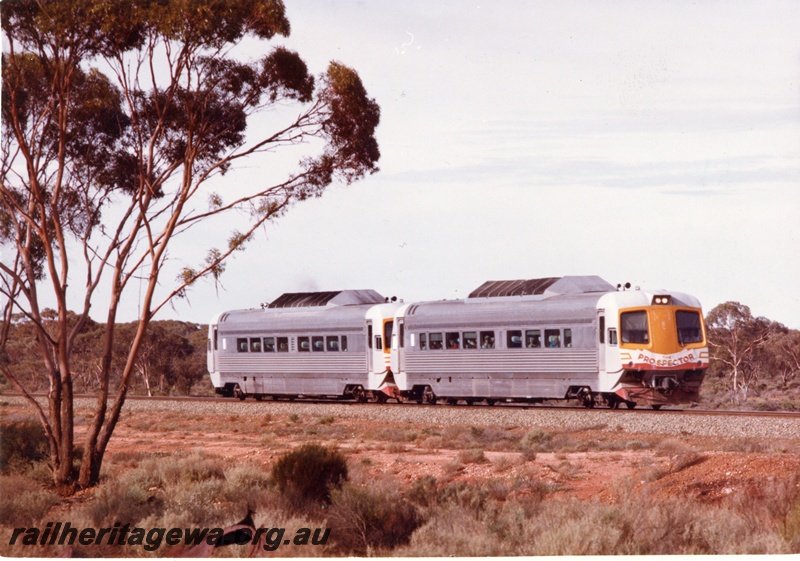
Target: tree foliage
(115, 118)
(171, 360)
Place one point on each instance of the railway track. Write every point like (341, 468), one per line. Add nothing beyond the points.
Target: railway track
(525, 406)
(749, 427)
(392, 403)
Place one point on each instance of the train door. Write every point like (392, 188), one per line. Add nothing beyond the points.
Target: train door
(369, 346)
(213, 344)
(388, 337)
(601, 343)
(379, 339)
(397, 345)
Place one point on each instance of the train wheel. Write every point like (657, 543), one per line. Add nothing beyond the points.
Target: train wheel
(451, 401)
(630, 404)
(259, 397)
(238, 393)
(377, 397)
(359, 394)
(491, 401)
(656, 407)
(613, 401)
(428, 396)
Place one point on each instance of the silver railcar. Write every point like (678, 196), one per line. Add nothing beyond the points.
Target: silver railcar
(522, 347)
(310, 344)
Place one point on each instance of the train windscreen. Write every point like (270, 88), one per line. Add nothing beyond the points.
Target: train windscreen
(689, 327)
(634, 327)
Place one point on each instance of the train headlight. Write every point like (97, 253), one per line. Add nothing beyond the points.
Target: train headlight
(662, 300)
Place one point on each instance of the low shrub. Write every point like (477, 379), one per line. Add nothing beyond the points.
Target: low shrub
(534, 441)
(195, 468)
(472, 456)
(26, 505)
(23, 444)
(638, 525)
(423, 491)
(364, 520)
(309, 473)
(461, 493)
(125, 500)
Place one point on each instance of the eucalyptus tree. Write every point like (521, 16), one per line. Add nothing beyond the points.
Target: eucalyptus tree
(734, 337)
(115, 117)
(784, 348)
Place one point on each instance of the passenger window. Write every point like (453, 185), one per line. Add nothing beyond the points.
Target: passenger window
(437, 341)
(283, 344)
(568, 338)
(602, 329)
(514, 340)
(552, 336)
(423, 342)
(317, 344)
(533, 338)
(269, 344)
(255, 345)
(470, 340)
(487, 339)
(453, 341)
(378, 343)
(344, 343)
(333, 344)
(241, 345)
(612, 336)
(303, 345)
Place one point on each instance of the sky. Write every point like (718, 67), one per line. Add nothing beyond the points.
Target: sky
(656, 143)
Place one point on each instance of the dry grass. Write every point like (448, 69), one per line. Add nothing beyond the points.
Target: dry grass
(510, 506)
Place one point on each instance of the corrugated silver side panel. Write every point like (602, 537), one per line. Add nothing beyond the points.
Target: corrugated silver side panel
(524, 361)
(544, 373)
(302, 373)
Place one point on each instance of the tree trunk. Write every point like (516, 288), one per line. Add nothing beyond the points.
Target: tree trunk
(146, 377)
(63, 473)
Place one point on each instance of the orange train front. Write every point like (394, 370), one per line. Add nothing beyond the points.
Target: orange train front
(652, 349)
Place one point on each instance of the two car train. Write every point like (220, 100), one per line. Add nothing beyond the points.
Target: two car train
(573, 337)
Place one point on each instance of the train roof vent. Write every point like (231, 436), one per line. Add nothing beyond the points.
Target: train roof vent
(546, 286)
(332, 298)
